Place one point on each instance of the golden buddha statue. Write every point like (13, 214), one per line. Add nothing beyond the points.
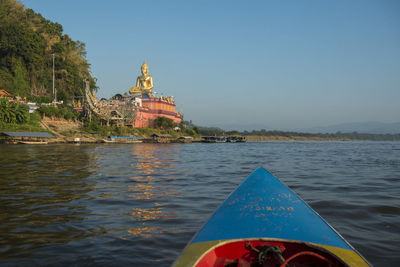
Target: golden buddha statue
(144, 83)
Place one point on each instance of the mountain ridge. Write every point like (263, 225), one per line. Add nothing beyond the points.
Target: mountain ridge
(372, 127)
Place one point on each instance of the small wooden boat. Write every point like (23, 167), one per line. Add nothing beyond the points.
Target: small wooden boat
(236, 139)
(32, 142)
(231, 139)
(264, 223)
(213, 139)
(122, 139)
(108, 141)
(184, 139)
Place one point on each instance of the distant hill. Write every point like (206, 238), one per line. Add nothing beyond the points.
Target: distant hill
(27, 42)
(244, 126)
(338, 132)
(361, 127)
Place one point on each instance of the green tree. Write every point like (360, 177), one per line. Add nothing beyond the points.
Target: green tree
(164, 122)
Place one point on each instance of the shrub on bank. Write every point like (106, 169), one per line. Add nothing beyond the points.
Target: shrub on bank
(16, 117)
(13, 112)
(39, 99)
(51, 111)
(164, 122)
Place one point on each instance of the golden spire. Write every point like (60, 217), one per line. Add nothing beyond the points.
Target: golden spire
(145, 65)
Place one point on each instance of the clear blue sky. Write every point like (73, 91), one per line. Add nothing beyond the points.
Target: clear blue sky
(261, 64)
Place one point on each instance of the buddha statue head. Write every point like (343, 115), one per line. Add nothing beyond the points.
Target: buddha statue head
(145, 69)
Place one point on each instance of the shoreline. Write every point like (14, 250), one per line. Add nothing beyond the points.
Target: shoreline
(69, 131)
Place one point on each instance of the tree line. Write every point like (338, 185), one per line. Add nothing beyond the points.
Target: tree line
(211, 131)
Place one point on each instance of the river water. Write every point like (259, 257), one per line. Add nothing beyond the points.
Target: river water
(139, 204)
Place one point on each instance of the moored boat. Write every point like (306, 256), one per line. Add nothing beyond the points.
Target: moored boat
(264, 223)
(108, 141)
(236, 139)
(33, 142)
(231, 139)
(122, 139)
(213, 139)
(184, 139)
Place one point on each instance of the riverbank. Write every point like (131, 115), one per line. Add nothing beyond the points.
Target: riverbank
(74, 131)
(69, 131)
(66, 131)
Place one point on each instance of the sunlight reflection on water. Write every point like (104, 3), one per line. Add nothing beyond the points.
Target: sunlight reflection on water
(140, 204)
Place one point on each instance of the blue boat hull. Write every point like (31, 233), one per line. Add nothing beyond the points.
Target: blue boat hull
(262, 209)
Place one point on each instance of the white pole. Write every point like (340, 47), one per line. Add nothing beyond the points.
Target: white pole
(54, 92)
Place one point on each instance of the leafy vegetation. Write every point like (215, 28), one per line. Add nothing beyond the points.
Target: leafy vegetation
(31, 126)
(95, 127)
(168, 124)
(27, 42)
(16, 117)
(13, 113)
(165, 123)
(51, 111)
(210, 131)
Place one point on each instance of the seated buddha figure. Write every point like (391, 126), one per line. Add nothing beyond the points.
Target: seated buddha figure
(144, 83)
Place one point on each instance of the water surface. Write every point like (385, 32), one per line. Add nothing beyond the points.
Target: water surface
(139, 204)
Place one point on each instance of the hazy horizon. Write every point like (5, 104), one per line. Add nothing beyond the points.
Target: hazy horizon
(281, 64)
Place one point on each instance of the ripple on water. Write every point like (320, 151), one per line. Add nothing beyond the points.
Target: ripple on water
(140, 204)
